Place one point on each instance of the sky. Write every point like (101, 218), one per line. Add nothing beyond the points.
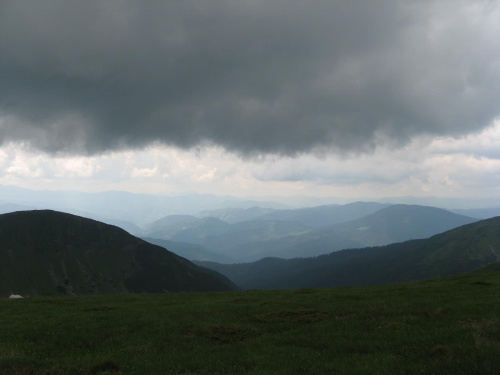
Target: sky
(324, 98)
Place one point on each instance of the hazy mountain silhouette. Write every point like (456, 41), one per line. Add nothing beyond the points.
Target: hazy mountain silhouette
(229, 238)
(391, 224)
(400, 222)
(237, 215)
(479, 213)
(221, 237)
(462, 249)
(190, 251)
(326, 215)
(168, 226)
(318, 216)
(141, 209)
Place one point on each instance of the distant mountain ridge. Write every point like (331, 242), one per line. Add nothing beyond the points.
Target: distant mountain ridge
(479, 213)
(218, 236)
(401, 222)
(48, 252)
(315, 217)
(390, 224)
(459, 250)
(168, 226)
(229, 238)
(326, 215)
(140, 209)
(283, 233)
(237, 215)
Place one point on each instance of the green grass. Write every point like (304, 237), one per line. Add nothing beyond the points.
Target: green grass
(449, 326)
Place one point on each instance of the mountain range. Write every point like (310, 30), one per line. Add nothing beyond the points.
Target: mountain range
(314, 217)
(138, 209)
(285, 234)
(459, 250)
(47, 252)
(256, 243)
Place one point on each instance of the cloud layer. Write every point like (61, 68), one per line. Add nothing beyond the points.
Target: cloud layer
(253, 76)
(424, 167)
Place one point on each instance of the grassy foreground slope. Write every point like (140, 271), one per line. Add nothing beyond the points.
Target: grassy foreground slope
(449, 326)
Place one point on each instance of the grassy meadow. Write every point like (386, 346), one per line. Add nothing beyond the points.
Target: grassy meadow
(449, 326)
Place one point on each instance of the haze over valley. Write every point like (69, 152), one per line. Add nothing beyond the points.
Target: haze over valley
(254, 244)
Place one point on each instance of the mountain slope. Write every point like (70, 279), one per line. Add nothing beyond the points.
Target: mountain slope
(189, 251)
(238, 235)
(198, 231)
(220, 237)
(49, 252)
(401, 222)
(326, 215)
(391, 224)
(237, 215)
(459, 250)
(479, 213)
(166, 227)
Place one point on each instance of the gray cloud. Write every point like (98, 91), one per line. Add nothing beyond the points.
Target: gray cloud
(274, 76)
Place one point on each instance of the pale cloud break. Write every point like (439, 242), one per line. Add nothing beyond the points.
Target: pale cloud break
(468, 166)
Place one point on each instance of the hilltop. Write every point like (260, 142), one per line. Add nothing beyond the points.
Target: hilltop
(47, 252)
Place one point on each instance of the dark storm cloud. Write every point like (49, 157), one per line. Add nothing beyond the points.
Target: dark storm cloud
(253, 76)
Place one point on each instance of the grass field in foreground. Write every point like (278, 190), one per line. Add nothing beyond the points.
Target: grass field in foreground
(449, 326)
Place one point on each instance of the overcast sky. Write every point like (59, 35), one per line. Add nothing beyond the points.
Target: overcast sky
(353, 99)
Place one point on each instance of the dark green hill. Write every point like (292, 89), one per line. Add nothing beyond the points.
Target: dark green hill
(48, 252)
(126, 225)
(463, 249)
